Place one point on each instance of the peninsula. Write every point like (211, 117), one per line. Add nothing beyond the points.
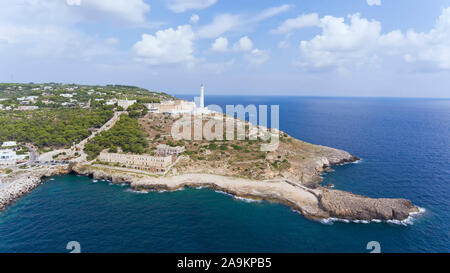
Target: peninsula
(125, 134)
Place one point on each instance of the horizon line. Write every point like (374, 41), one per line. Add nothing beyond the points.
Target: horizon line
(307, 96)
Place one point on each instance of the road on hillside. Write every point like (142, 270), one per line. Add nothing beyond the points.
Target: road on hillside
(34, 154)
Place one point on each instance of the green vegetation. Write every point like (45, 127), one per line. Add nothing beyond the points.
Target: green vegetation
(127, 134)
(137, 110)
(52, 95)
(54, 128)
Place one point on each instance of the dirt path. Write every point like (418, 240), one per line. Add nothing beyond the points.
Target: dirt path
(80, 146)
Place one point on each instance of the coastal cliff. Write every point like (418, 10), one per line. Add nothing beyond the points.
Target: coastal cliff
(316, 202)
(303, 194)
(22, 182)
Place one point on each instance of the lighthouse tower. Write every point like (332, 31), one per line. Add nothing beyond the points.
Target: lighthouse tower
(202, 96)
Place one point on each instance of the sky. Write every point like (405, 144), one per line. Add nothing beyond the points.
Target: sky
(382, 48)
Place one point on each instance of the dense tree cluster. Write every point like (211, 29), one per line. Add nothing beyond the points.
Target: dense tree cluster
(137, 110)
(51, 128)
(127, 134)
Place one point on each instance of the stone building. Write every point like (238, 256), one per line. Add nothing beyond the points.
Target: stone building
(165, 150)
(27, 108)
(176, 107)
(139, 162)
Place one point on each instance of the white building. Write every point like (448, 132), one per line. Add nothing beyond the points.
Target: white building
(27, 108)
(29, 98)
(67, 95)
(152, 107)
(140, 162)
(177, 107)
(111, 102)
(125, 103)
(166, 150)
(201, 109)
(8, 157)
(9, 144)
(202, 96)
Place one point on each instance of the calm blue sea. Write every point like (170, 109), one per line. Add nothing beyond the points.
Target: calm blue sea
(404, 144)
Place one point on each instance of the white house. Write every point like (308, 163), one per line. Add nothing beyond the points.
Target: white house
(27, 108)
(111, 102)
(8, 157)
(67, 95)
(125, 103)
(9, 144)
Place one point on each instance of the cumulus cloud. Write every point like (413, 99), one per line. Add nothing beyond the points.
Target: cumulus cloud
(223, 23)
(47, 28)
(340, 43)
(432, 48)
(220, 45)
(194, 19)
(374, 2)
(167, 46)
(302, 21)
(244, 44)
(360, 42)
(184, 5)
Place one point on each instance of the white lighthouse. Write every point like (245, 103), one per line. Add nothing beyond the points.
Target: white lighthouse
(202, 96)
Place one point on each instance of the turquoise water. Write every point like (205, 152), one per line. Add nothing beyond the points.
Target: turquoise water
(404, 144)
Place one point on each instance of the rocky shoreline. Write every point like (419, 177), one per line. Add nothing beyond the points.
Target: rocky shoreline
(315, 202)
(23, 182)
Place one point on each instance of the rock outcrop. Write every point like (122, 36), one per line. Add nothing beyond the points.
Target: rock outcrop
(345, 205)
(20, 183)
(318, 203)
(303, 193)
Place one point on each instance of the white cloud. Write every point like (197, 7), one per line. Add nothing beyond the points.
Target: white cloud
(223, 23)
(220, 45)
(133, 11)
(270, 12)
(244, 44)
(432, 48)
(340, 44)
(47, 28)
(184, 5)
(257, 57)
(302, 21)
(167, 46)
(194, 19)
(374, 2)
(360, 42)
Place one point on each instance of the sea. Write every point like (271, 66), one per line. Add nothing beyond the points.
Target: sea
(404, 145)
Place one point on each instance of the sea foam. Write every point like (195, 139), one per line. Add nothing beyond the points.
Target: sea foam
(408, 221)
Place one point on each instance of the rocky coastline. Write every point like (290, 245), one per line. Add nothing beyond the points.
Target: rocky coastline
(20, 183)
(314, 202)
(317, 203)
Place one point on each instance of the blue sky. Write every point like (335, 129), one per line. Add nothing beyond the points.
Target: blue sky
(397, 48)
